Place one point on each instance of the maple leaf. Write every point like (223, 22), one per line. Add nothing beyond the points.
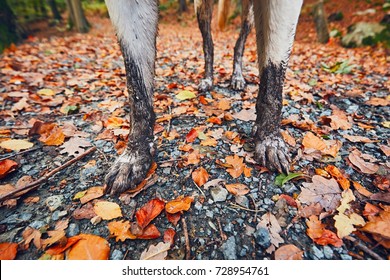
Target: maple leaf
(120, 230)
(156, 252)
(89, 247)
(320, 235)
(237, 165)
(321, 190)
(346, 219)
(74, 146)
(200, 176)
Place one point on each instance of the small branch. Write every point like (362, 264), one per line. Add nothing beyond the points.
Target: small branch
(363, 247)
(19, 153)
(35, 184)
(188, 247)
(236, 206)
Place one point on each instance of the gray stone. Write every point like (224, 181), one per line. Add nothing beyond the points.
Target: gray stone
(73, 230)
(317, 253)
(262, 237)
(328, 252)
(37, 224)
(229, 249)
(53, 202)
(242, 200)
(345, 257)
(116, 255)
(218, 193)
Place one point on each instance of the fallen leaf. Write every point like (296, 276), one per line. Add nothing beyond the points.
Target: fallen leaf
(179, 204)
(223, 104)
(237, 189)
(55, 236)
(385, 149)
(192, 135)
(173, 218)
(31, 234)
(214, 120)
(288, 138)
(107, 210)
(51, 134)
(58, 249)
(150, 232)
(120, 230)
(200, 176)
(89, 247)
(269, 222)
(336, 173)
(288, 252)
(358, 138)
(74, 146)
(156, 252)
(46, 92)
(379, 224)
(149, 211)
(8, 251)
(281, 179)
(6, 167)
(90, 194)
(236, 164)
(16, 145)
(321, 190)
(317, 232)
(246, 115)
(185, 95)
(169, 236)
(356, 158)
(362, 190)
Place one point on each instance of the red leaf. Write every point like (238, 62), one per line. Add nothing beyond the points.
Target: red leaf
(149, 211)
(192, 135)
(8, 251)
(7, 166)
(290, 201)
(150, 232)
(173, 218)
(169, 236)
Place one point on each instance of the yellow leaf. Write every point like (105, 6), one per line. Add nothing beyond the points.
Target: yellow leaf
(46, 92)
(16, 145)
(185, 94)
(107, 210)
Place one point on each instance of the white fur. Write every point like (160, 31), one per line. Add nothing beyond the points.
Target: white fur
(276, 22)
(135, 22)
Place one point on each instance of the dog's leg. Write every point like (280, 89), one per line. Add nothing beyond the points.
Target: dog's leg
(238, 81)
(136, 26)
(275, 23)
(204, 11)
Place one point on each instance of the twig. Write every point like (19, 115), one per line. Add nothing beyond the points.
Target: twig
(188, 247)
(256, 209)
(363, 247)
(35, 184)
(223, 235)
(19, 153)
(236, 206)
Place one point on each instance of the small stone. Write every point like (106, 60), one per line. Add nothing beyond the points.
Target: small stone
(242, 200)
(25, 217)
(37, 224)
(345, 257)
(210, 214)
(218, 193)
(198, 206)
(317, 253)
(53, 202)
(228, 227)
(73, 229)
(262, 237)
(328, 252)
(55, 216)
(116, 255)
(229, 249)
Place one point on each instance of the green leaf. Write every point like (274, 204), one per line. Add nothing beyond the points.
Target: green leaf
(281, 179)
(185, 94)
(79, 195)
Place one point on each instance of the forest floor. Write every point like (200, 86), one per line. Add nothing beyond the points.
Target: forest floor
(63, 99)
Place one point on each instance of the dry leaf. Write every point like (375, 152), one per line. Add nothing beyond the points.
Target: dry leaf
(192, 135)
(58, 249)
(90, 194)
(288, 252)
(107, 210)
(74, 146)
(269, 222)
(362, 190)
(317, 232)
(237, 189)
(156, 252)
(169, 236)
(120, 230)
(6, 167)
(173, 218)
(8, 251)
(336, 173)
(379, 224)
(356, 158)
(89, 247)
(16, 145)
(357, 138)
(200, 176)
(149, 211)
(179, 204)
(55, 236)
(246, 115)
(237, 165)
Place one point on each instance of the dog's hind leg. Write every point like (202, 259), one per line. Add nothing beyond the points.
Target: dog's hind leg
(136, 26)
(204, 11)
(275, 23)
(238, 81)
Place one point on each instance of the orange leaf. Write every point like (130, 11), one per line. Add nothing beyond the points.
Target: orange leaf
(120, 230)
(310, 141)
(179, 204)
(150, 232)
(379, 224)
(214, 120)
(370, 210)
(89, 247)
(212, 142)
(317, 232)
(237, 165)
(203, 100)
(58, 249)
(169, 236)
(173, 218)
(51, 134)
(237, 189)
(149, 211)
(92, 193)
(8, 251)
(336, 173)
(224, 104)
(362, 190)
(200, 176)
(288, 252)
(7, 166)
(192, 135)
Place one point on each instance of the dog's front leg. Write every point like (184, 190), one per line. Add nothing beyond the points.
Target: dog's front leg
(136, 26)
(204, 11)
(238, 81)
(275, 23)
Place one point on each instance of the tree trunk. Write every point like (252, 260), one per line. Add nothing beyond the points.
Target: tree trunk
(321, 22)
(183, 6)
(8, 26)
(54, 10)
(77, 17)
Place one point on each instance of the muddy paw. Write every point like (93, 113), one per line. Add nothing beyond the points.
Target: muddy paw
(237, 82)
(273, 153)
(205, 85)
(128, 171)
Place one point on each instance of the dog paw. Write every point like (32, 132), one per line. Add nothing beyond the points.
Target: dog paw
(128, 171)
(237, 82)
(205, 85)
(273, 153)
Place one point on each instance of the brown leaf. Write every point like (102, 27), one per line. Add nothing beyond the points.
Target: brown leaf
(237, 165)
(6, 167)
(150, 232)
(179, 204)
(92, 193)
(120, 230)
(356, 158)
(149, 211)
(336, 173)
(288, 252)
(156, 252)
(358, 138)
(173, 218)
(317, 232)
(379, 224)
(8, 251)
(51, 134)
(31, 234)
(58, 249)
(74, 146)
(362, 190)
(200, 176)
(55, 236)
(237, 189)
(192, 135)
(89, 247)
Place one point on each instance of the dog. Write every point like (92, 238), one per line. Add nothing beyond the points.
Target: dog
(135, 22)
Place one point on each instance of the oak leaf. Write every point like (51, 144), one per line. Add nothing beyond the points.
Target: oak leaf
(156, 252)
(74, 146)
(380, 224)
(236, 164)
(120, 230)
(269, 222)
(89, 247)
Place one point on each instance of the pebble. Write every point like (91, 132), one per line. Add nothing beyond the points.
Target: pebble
(345, 257)
(37, 224)
(73, 229)
(116, 255)
(209, 213)
(58, 214)
(228, 227)
(317, 253)
(218, 193)
(328, 252)
(198, 206)
(262, 237)
(229, 249)
(242, 200)
(53, 202)
(25, 217)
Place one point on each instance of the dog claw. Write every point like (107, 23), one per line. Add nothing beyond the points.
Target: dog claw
(128, 171)
(237, 82)
(272, 152)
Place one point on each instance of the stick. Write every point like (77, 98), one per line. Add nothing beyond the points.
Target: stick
(18, 153)
(236, 206)
(188, 248)
(35, 184)
(363, 247)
